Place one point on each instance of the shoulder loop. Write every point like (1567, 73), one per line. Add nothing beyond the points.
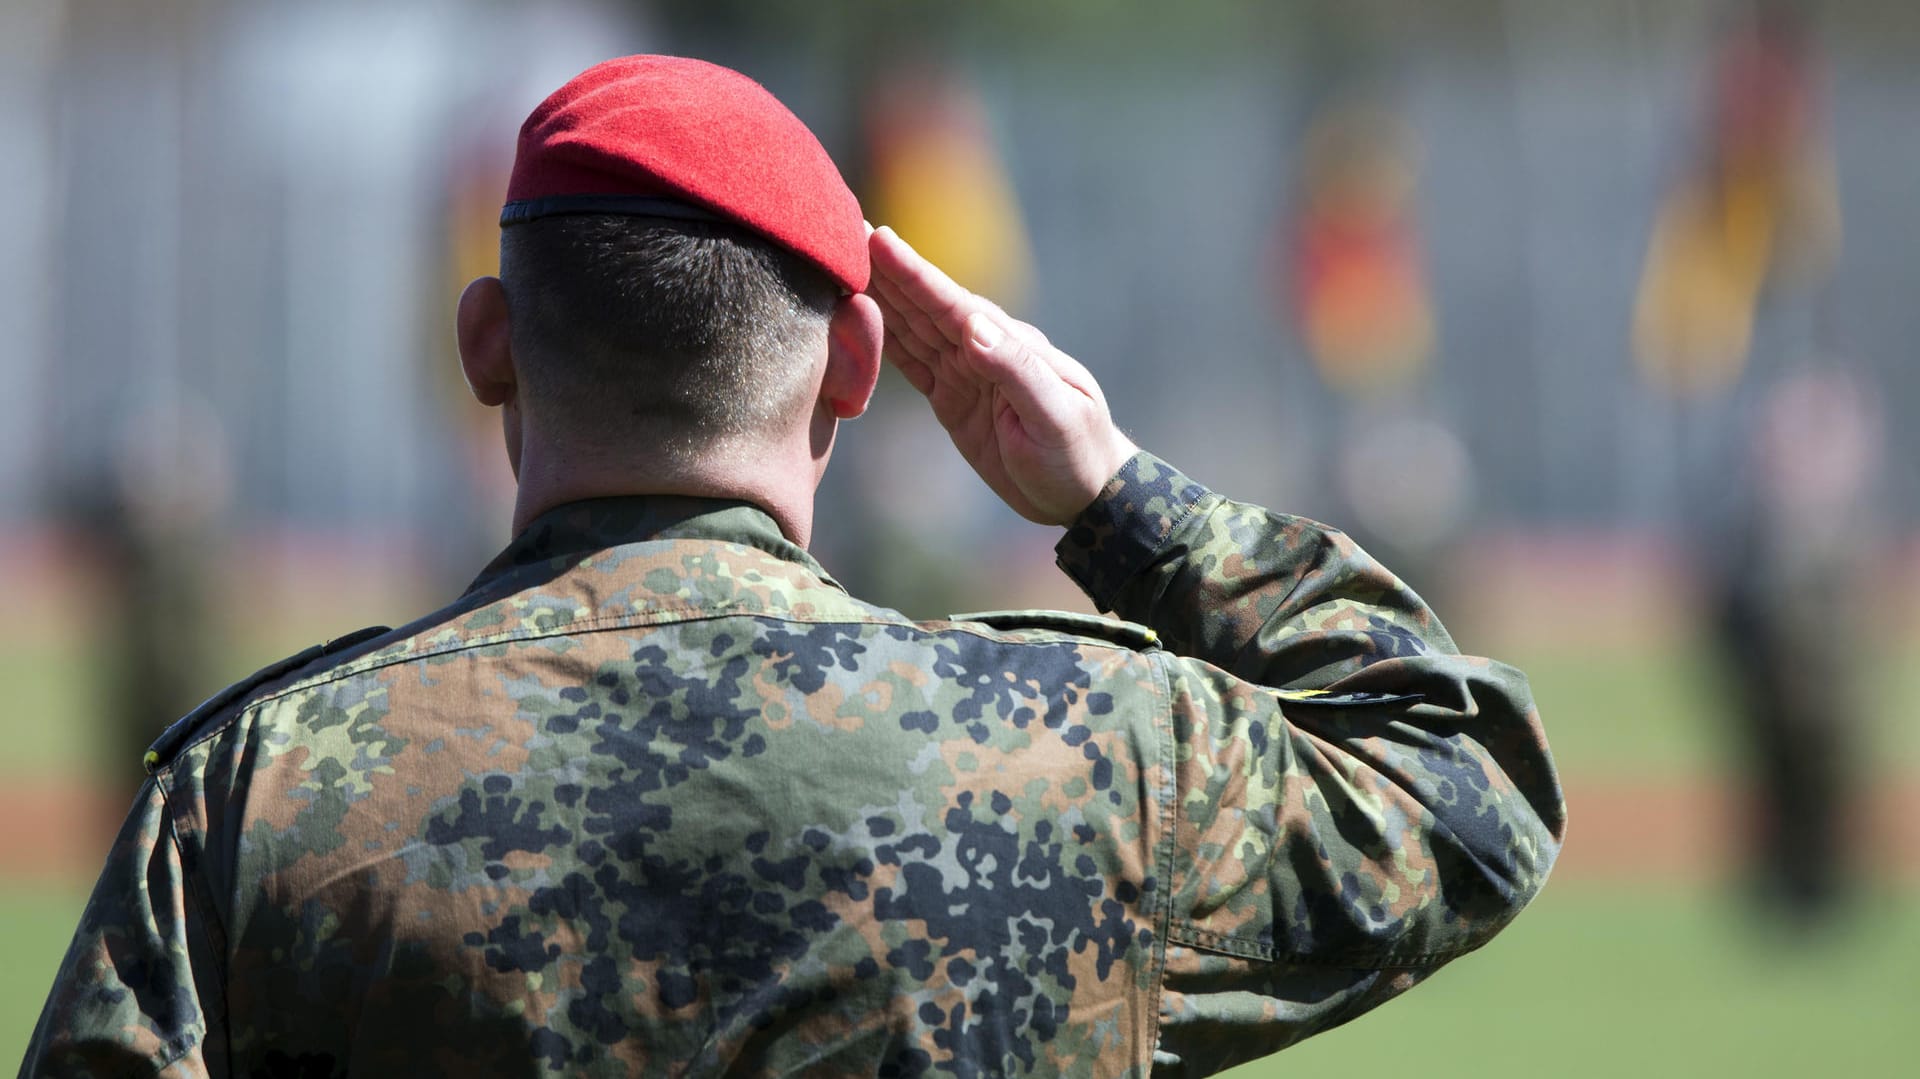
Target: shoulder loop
(1130, 634)
(1323, 698)
(170, 740)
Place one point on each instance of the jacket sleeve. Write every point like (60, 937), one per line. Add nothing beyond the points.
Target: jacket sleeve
(127, 1001)
(1354, 802)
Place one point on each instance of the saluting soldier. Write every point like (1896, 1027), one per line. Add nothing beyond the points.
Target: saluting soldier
(657, 796)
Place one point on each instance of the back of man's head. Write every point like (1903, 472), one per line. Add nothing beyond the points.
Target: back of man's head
(674, 335)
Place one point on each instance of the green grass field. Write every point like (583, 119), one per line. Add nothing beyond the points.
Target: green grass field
(1663, 715)
(1611, 981)
(35, 925)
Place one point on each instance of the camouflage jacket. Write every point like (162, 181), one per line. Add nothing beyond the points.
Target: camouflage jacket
(658, 797)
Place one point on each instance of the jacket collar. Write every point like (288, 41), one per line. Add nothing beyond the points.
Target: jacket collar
(566, 535)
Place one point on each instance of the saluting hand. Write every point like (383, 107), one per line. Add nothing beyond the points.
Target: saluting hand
(1028, 418)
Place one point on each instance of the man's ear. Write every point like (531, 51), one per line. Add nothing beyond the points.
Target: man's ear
(855, 336)
(486, 343)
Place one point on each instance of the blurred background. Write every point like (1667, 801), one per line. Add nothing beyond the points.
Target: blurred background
(1596, 321)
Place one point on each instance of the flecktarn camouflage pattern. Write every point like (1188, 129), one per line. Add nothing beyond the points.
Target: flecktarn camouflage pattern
(658, 797)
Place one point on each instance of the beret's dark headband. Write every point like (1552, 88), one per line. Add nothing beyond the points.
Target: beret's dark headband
(519, 210)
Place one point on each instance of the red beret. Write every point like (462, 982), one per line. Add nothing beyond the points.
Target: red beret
(667, 136)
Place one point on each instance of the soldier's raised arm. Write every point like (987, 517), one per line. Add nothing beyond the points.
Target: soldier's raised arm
(1354, 803)
(1274, 599)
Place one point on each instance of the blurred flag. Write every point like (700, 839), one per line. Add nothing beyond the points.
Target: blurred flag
(1759, 208)
(1358, 291)
(476, 186)
(475, 189)
(936, 176)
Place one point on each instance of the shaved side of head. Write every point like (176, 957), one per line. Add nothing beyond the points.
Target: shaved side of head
(676, 335)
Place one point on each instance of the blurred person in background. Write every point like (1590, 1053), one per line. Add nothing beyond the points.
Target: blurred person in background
(1753, 224)
(656, 795)
(1790, 614)
(155, 513)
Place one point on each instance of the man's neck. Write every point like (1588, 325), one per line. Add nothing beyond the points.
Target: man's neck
(765, 476)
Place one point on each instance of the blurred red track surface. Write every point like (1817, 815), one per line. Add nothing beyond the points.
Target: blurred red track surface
(1693, 831)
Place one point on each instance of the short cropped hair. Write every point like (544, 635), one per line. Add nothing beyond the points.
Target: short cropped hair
(680, 333)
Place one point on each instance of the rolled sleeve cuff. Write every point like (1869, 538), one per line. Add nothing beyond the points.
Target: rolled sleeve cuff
(1127, 526)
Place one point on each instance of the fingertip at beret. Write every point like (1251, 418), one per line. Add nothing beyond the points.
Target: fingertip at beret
(668, 136)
